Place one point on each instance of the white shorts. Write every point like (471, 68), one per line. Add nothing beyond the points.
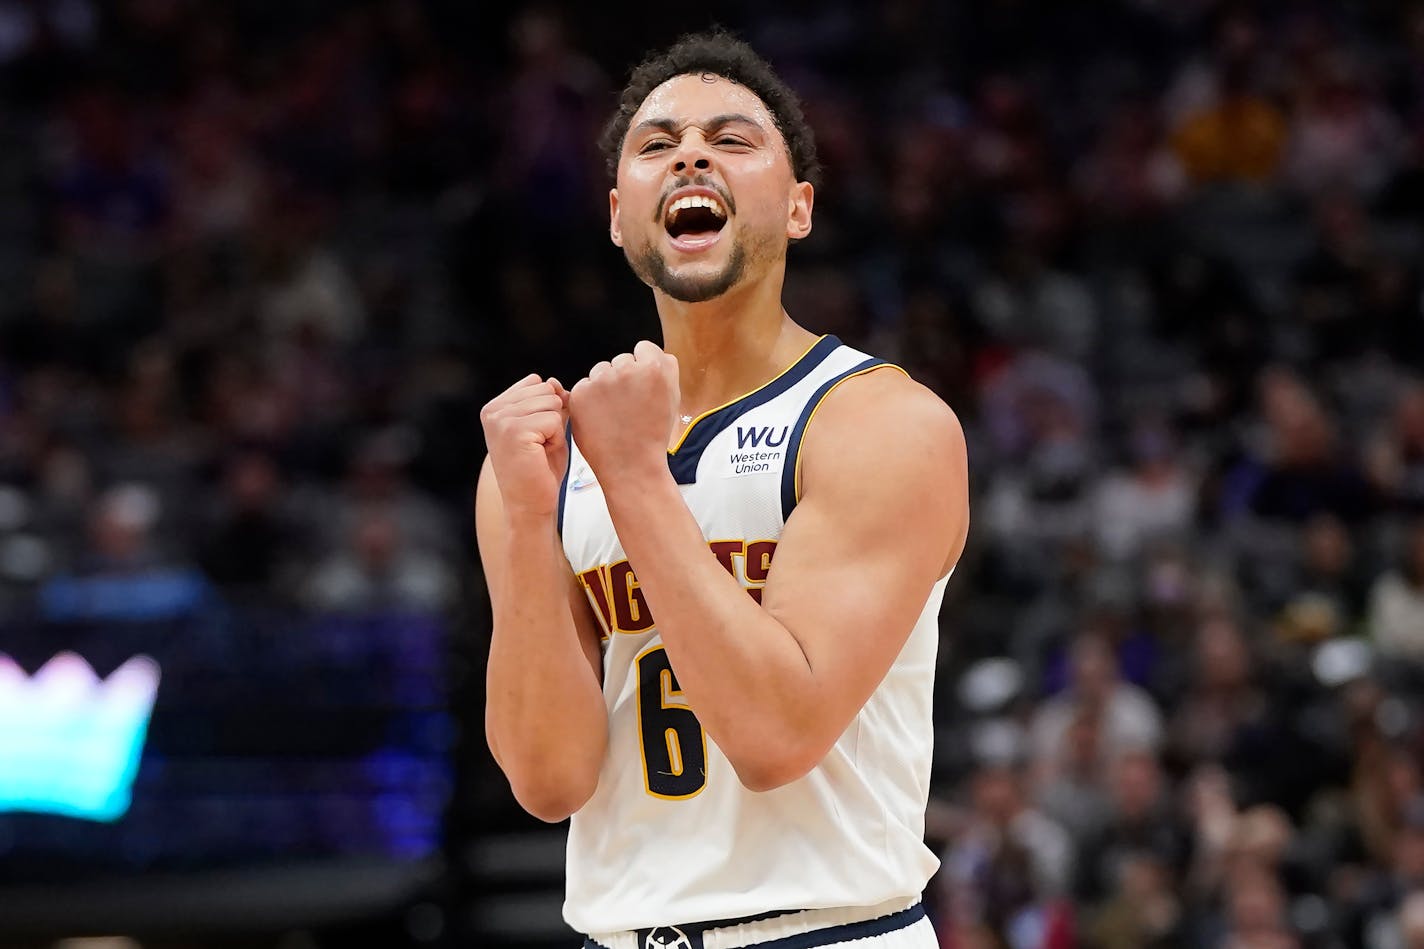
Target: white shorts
(900, 924)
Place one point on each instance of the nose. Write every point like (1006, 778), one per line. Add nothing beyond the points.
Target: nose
(692, 155)
(700, 164)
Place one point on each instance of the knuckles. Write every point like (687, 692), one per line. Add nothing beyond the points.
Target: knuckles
(641, 374)
(494, 413)
(498, 419)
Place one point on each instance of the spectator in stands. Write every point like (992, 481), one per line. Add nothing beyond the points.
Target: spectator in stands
(305, 291)
(1255, 916)
(1396, 604)
(1128, 717)
(1305, 469)
(1341, 135)
(249, 539)
(219, 184)
(1328, 591)
(1144, 910)
(1039, 415)
(1223, 704)
(1335, 282)
(1406, 930)
(123, 576)
(1130, 174)
(113, 194)
(1153, 499)
(1396, 457)
(1384, 893)
(150, 442)
(1072, 787)
(552, 110)
(1385, 785)
(379, 572)
(51, 332)
(1027, 301)
(245, 403)
(378, 478)
(1237, 134)
(1143, 821)
(1011, 867)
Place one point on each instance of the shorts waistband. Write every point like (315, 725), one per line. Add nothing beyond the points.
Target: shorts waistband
(793, 929)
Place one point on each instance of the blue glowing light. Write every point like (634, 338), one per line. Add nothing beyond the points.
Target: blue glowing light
(70, 742)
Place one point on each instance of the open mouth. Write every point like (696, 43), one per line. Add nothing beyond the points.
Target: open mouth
(695, 220)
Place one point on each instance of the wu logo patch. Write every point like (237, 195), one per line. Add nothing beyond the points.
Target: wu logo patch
(670, 937)
(765, 435)
(760, 448)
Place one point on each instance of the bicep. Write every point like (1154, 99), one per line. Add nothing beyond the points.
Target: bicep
(490, 531)
(876, 528)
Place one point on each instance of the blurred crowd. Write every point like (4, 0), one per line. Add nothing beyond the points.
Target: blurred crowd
(1164, 259)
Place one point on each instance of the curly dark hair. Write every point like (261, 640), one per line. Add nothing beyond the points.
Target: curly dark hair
(720, 53)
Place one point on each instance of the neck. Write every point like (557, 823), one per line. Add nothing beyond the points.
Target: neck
(732, 345)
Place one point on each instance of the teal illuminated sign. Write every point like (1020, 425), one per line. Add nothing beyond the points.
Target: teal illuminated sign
(70, 742)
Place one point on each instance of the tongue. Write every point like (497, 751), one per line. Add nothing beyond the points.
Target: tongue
(695, 237)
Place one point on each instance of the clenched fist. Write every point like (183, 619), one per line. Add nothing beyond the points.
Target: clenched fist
(625, 412)
(524, 430)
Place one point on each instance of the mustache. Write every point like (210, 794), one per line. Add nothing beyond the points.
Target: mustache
(700, 181)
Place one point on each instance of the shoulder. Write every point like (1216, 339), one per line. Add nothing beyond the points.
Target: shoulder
(886, 459)
(887, 412)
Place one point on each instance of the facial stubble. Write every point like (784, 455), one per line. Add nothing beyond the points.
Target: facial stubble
(653, 270)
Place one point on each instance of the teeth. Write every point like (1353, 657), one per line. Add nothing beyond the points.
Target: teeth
(696, 201)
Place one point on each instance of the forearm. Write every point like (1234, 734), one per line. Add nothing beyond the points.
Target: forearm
(545, 716)
(743, 672)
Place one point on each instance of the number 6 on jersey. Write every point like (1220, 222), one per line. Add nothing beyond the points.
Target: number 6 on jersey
(673, 744)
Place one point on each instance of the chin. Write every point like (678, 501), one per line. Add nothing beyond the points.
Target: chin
(693, 291)
(692, 283)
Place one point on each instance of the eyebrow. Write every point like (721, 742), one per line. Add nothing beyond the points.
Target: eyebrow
(671, 126)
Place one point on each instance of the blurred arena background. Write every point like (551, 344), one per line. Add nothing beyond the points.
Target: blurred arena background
(262, 263)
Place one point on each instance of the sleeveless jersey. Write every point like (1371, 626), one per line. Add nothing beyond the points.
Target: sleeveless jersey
(671, 835)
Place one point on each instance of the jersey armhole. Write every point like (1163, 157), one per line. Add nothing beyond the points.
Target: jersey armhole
(791, 472)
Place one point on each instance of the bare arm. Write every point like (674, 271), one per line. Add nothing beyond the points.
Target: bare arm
(545, 717)
(776, 684)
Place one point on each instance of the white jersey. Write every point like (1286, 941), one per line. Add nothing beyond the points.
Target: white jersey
(671, 835)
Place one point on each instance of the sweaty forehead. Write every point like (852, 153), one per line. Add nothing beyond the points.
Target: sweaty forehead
(697, 98)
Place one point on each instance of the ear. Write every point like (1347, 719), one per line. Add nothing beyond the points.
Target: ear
(798, 210)
(615, 226)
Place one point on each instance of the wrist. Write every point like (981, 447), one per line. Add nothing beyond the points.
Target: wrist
(525, 523)
(634, 477)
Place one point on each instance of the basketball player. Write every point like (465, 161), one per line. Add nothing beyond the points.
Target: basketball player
(715, 603)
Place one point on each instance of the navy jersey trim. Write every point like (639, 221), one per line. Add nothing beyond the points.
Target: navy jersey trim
(827, 936)
(849, 932)
(683, 459)
(793, 449)
(568, 466)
